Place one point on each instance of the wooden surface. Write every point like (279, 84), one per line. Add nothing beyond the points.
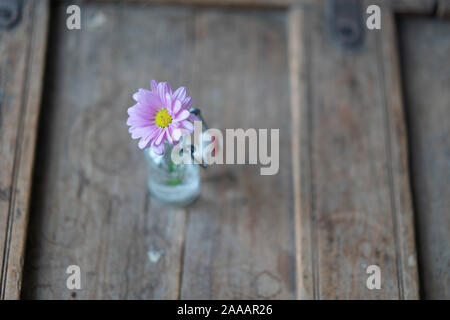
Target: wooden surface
(22, 53)
(353, 204)
(216, 3)
(400, 6)
(426, 64)
(90, 205)
(340, 202)
(239, 236)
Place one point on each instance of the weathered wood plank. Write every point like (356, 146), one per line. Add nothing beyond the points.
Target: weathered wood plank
(425, 47)
(298, 62)
(413, 6)
(397, 149)
(443, 9)
(22, 52)
(90, 205)
(239, 236)
(88, 191)
(218, 3)
(400, 6)
(352, 201)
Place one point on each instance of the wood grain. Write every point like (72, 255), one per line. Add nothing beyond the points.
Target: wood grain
(400, 6)
(340, 202)
(239, 236)
(216, 3)
(352, 200)
(90, 205)
(298, 62)
(425, 45)
(22, 52)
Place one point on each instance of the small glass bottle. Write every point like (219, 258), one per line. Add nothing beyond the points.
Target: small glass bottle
(175, 184)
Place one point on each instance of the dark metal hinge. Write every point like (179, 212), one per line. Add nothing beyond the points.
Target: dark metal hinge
(346, 22)
(9, 13)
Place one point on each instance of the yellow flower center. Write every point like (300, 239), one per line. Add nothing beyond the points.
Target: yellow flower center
(163, 118)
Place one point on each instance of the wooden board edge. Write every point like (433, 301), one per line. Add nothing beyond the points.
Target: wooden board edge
(425, 7)
(270, 4)
(34, 81)
(22, 180)
(297, 53)
(397, 153)
(400, 6)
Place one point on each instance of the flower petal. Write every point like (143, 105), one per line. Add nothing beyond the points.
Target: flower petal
(180, 94)
(193, 117)
(144, 142)
(149, 139)
(188, 126)
(143, 96)
(137, 95)
(187, 103)
(160, 138)
(176, 134)
(183, 115)
(169, 138)
(162, 90)
(141, 114)
(139, 132)
(154, 86)
(169, 103)
(138, 121)
(159, 150)
(177, 107)
(169, 88)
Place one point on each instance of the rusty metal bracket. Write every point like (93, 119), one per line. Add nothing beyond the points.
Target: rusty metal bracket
(345, 18)
(10, 13)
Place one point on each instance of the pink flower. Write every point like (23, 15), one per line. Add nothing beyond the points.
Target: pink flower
(160, 115)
